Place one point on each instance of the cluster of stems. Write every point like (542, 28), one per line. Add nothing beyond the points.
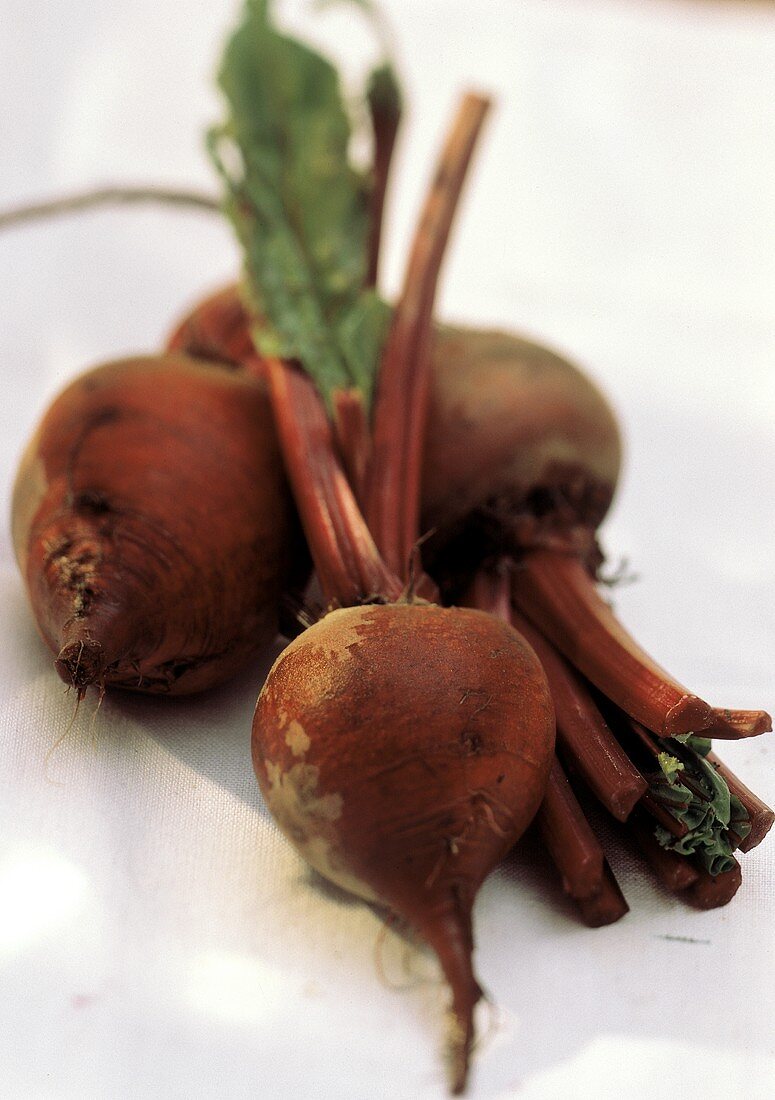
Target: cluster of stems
(611, 758)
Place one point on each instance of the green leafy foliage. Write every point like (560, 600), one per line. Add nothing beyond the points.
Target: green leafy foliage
(691, 789)
(299, 208)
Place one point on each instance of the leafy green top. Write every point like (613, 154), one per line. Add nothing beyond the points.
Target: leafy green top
(299, 207)
(692, 790)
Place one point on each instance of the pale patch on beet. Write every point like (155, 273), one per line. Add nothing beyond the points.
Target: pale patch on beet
(293, 796)
(307, 819)
(297, 739)
(343, 631)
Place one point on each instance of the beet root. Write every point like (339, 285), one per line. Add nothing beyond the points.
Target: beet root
(403, 749)
(153, 525)
(520, 446)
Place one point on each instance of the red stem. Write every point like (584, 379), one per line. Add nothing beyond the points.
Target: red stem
(385, 121)
(351, 427)
(759, 813)
(393, 504)
(568, 837)
(490, 591)
(731, 725)
(607, 906)
(663, 817)
(583, 734)
(347, 561)
(558, 594)
(713, 891)
(674, 871)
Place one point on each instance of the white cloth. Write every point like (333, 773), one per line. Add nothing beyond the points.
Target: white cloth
(158, 937)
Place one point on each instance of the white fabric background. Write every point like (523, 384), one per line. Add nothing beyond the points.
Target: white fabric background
(157, 936)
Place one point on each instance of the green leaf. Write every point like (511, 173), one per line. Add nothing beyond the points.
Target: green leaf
(299, 208)
(362, 334)
(691, 788)
(670, 765)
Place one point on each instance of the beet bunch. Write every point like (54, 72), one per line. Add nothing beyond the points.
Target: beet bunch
(456, 673)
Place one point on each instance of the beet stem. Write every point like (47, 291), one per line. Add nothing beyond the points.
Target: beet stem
(403, 386)
(347, 561)
(731, 725)
(663, 816)
(674, 871)
(607, 906)
(583, 734)
(568, 838)
(385, 121)
(759, 813)
(351, 428)
(558, 594)
(713, 891)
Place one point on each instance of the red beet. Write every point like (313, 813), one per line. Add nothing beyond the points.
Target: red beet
(403, 749)
(519, 440)
(153, 525)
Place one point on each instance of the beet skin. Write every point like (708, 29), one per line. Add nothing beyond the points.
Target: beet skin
(153, 525)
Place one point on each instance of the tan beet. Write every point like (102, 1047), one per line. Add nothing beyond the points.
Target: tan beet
(153, 525)
(403, 749)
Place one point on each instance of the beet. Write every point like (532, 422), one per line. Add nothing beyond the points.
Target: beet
(519, 442)
(153, 525)
(403, 749)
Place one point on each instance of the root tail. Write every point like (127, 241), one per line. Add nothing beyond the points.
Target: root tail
(452, 940)
(81, 663)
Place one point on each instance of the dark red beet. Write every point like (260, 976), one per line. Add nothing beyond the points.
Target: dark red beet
(519, 441)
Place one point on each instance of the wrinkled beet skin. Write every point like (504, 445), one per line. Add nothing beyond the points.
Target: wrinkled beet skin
(151, 517)
(416, 742)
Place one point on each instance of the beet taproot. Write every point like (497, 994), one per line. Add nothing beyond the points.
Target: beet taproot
(404, 749)
(153, 525)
